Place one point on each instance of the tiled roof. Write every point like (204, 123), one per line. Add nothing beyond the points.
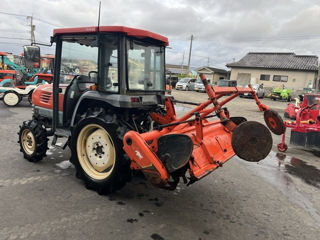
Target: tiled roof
(216, 70)
(285, 61)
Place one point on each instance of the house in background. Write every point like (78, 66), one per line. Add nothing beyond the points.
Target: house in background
(276, 69)
(176, 69)
(213, 74)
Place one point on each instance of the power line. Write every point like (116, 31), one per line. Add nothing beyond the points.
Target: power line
(16, 38)
(13, 43)
(44, 21)
(22, 15)
(12, 31)
(13, 14)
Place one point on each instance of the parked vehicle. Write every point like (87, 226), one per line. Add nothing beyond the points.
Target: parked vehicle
(192, 84)
(198, 86)
(281, 93)
(259, 89)
(183, 83)
(116, 123)
(13, 84)
(13, 95)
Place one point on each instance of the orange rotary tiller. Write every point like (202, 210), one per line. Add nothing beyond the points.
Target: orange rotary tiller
(201, 140)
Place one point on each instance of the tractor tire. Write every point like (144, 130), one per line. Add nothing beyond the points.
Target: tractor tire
(11, 98)
(33, 140)
(97, 153)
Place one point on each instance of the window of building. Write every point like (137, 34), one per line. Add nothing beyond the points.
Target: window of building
(264, 77)
(280, 78)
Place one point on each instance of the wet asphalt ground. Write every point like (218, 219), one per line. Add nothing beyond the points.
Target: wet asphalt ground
(277, 198)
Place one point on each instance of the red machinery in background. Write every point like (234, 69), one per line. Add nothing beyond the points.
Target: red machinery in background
(304, 101)
(305, 130)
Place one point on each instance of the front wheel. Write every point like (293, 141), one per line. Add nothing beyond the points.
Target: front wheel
(33, 140)
(11, 99)
(98, 155)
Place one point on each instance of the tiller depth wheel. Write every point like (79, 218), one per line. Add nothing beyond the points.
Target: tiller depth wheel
(274, 122)
(251, 141)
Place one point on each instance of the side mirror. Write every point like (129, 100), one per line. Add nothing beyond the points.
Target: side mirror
(93, 76)
(32, 56)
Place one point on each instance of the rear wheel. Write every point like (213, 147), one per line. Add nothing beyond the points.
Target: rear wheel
(97, 153)
(11, 98)
(33, 140)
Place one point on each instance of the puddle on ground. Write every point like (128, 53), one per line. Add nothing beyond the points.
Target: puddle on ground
(293, 166)
(278, 169)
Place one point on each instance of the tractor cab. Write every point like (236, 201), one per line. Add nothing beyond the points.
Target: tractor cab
(116, 66)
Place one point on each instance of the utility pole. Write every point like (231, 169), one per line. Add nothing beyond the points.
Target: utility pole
(32, 29)
(182, 62)
(190, 52)
(208, 62)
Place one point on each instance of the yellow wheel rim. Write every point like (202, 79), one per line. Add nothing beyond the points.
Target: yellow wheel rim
(28, 141)
(96, 151)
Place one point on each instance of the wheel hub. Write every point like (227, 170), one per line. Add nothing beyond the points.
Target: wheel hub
(98, 150)
(28, 141)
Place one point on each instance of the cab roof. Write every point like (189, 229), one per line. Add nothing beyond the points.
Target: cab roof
(134, 32)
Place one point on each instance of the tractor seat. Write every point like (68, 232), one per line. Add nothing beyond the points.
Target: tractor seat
(77, 87)
(84, 83)
(35, 81)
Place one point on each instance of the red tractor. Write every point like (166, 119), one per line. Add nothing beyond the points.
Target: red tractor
(108, 100)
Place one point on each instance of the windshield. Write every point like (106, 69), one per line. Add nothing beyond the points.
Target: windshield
(145, 66)
(184, 80)
(78, 57)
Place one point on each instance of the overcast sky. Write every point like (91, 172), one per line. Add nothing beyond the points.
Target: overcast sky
(223, 30)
